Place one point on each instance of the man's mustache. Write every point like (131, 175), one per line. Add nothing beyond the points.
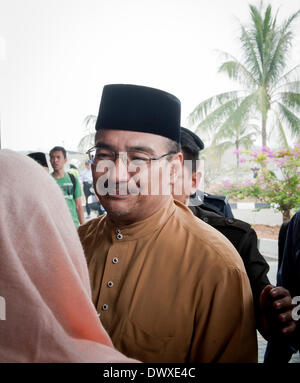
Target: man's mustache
(117, 188)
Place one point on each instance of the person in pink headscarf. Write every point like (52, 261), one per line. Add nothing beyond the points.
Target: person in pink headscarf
(46, 312)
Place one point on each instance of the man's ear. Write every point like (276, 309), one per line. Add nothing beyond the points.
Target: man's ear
(176, 167)
(196, 178)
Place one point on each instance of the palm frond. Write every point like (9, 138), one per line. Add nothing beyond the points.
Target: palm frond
(250, 55)
(270, 64)
(290, 87)
(204, 108)
(215, 118)
(290, 20)
(279, 58)
(257, 33)
(253, 127)
(238, 72)
(89, 123)
(86, 143)
(282, 135)
(240, 115)
(290, 77)
(267, 22)
(247, 141)
(291, 119)
(235, 126)
(291, 100)
(221, 148)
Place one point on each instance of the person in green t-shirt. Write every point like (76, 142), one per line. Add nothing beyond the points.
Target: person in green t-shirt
(58, 158)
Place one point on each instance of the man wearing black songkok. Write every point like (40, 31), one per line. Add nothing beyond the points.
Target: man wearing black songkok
(167, 286)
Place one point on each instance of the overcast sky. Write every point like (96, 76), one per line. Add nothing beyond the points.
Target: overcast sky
(56, 56)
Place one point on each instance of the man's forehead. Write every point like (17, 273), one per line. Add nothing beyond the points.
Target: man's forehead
(122, 139)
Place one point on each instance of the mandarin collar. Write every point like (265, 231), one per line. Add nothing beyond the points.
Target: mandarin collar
(141, 228)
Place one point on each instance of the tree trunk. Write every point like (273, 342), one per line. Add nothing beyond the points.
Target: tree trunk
(264, 131)
(238, 154)
(286, 215)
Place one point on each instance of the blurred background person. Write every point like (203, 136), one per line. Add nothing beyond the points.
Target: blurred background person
(86, 178)
(74, 170)
(68, 183)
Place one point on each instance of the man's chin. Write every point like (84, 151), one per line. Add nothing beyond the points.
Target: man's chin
(118, 205)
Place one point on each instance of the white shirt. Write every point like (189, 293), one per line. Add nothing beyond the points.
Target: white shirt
(86, 176)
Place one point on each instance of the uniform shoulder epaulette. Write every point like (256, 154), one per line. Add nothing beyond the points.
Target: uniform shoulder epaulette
(218, 220)
(245, 226)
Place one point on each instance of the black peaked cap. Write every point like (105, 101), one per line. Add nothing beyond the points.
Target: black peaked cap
(141, 109)
(190, 140)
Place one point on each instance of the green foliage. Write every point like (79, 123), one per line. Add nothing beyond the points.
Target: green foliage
(266, 89)
(88, 140)
(277, 181)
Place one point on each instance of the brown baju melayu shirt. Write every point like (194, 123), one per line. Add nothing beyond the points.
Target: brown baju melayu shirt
(170, 288)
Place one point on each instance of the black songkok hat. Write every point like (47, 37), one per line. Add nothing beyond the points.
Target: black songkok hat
(141, 109)
(190, 141)
(39, 157)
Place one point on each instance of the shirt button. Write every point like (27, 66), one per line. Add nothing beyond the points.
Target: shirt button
(119, 236)
(110, 284)
(230, 220)
(115, 260)
(205, 219)
(105, 307)
(118, 231)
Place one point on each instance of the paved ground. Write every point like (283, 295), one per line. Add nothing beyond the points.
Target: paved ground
(272, 261)
(263, 216)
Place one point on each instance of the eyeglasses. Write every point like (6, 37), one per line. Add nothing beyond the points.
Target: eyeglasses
(134, 158)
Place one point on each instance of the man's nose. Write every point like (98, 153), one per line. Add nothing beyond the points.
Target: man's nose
(119, 173)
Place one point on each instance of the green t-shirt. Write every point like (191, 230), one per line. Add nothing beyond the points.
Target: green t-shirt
(66, 186)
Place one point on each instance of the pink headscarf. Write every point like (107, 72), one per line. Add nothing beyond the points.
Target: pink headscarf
(48, 315)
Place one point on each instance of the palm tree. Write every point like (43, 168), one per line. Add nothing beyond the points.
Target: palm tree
(266, 90)
(89, 128)
(240, 137)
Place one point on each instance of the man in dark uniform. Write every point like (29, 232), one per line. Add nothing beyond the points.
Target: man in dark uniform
(244, 239)
(216, 203)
